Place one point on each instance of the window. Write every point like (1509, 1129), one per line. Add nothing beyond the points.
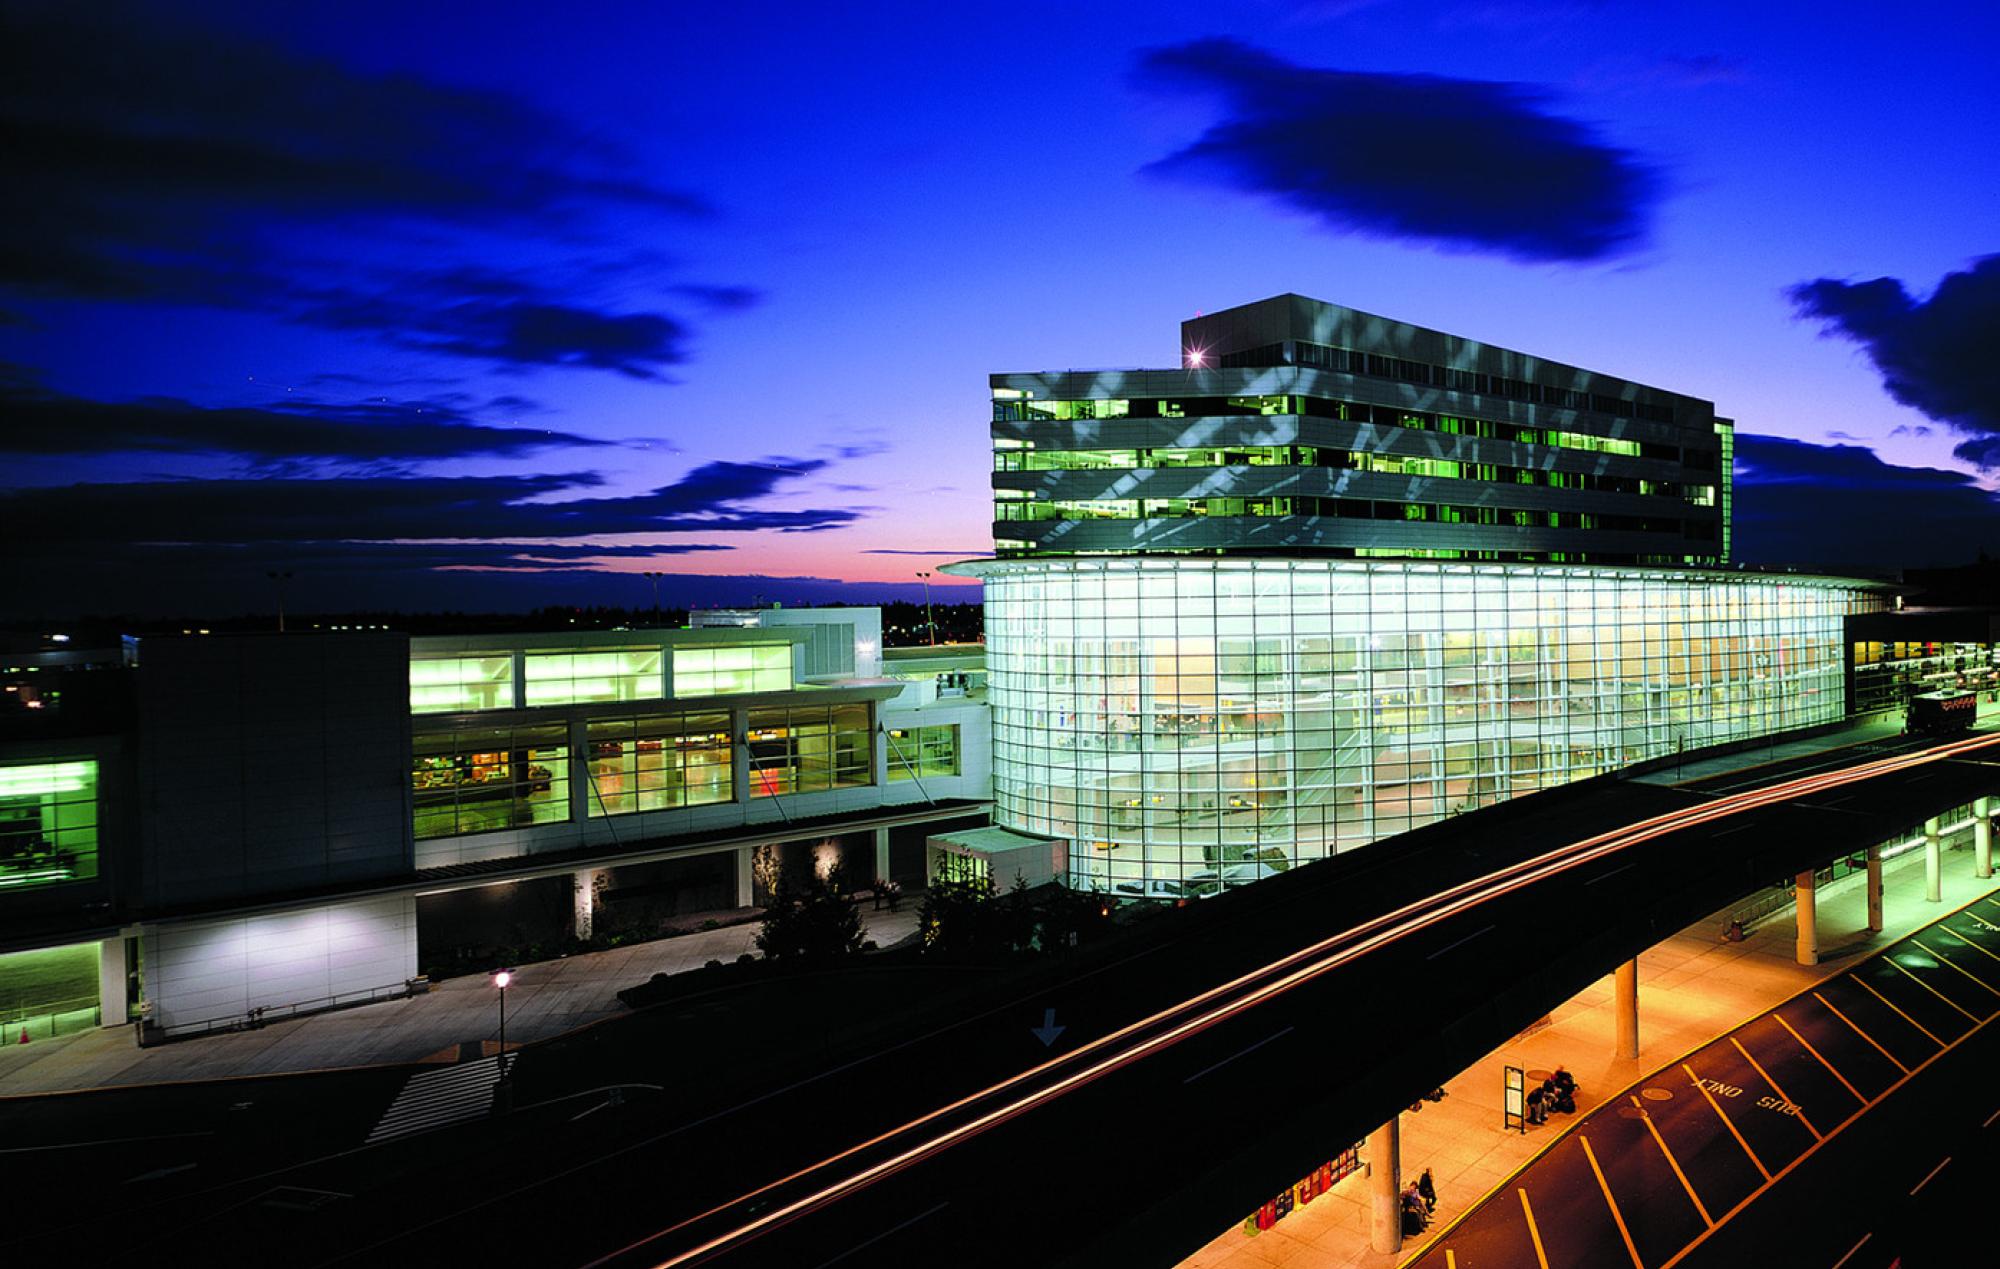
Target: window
(753, 667)
(919, 752)
(809, 749)
(48, 823)
(477, 780)
(442, 685)
(657, 762)
(575, 678)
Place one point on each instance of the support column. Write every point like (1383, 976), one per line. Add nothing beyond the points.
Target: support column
(746, 889)
(583, 888)
(1625, 990)
(112, 976)
(1875, 889)
(1982, 838)
(1385, 1186)
(1933, 861)
(882, 854)
(1807, 916)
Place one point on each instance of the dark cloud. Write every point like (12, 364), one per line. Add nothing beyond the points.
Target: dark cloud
(1831, 505)
(151, 160)
(1935, 355)
(1463, 164)
(37, 421)
(723, 299)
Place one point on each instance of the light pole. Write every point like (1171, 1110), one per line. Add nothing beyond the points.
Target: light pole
(928, 623)
(500, 980)
(655, 579)
(280, 579)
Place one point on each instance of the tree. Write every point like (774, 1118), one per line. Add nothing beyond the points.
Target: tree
(814, 922)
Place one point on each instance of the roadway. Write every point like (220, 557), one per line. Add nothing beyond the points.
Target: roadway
(1772, 1144)
(1209, 1058)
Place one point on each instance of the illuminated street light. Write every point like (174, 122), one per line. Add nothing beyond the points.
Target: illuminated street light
(500, 980)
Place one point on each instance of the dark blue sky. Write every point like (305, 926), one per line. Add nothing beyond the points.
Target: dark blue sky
(485, 305)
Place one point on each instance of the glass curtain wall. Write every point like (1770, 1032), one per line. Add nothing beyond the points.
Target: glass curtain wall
(917, 752)
(479, 779)
(755, 667)
(603, 674)
(808, 749)
(445, 685)
(658, 762)
(1207, 721)
(48, 823)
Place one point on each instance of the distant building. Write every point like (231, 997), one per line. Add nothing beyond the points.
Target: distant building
(295, 821)
(1336, 577)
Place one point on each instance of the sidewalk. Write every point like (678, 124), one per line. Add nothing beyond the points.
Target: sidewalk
(1692, 987)
(545, 999)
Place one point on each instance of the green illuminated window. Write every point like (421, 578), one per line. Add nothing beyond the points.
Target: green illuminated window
(479, 779)
(917, 752)
(441, 685)
(574, 678)
(754, 667)
(48, 823)
(809, 749)
(657, 762)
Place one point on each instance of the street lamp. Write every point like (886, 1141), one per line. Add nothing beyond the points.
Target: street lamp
(655, 579)
(928, 623)
(280, 579)
(500, 980)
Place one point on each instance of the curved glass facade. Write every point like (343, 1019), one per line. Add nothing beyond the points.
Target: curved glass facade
(1204, 721)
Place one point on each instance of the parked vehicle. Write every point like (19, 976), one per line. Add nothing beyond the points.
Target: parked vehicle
(1942, 713)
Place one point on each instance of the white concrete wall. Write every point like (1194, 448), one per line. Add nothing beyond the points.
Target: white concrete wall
(196, 971)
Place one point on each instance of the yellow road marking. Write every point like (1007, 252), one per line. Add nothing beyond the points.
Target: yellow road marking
(1776, 1087)
(1534, 1235)
(1990, 990)
(1807, 1045)
(1726, 1121)
(1898, 1012)
(1932, 990)
(1616, 1215)
(1968, 942)
(1675, 1164)
(1450, 1259)
(1858, 1031)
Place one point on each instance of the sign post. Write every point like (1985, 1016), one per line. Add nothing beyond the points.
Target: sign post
(1514, 1099)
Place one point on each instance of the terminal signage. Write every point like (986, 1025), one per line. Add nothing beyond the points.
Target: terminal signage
(1319, 1182)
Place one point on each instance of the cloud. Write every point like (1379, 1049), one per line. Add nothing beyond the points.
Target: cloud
(150, 160)
(1935, 355)
(957, 555)
(37, 421)
(1831, 505)
(1456, 163)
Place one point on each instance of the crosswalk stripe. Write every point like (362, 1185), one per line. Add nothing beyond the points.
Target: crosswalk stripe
(434, 1098)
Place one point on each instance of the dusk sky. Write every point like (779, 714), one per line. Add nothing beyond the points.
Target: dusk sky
(452, 306)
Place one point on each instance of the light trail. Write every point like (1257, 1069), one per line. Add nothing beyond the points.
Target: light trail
(1262, 984)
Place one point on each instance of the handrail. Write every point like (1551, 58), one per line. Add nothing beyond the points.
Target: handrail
(259, 1015)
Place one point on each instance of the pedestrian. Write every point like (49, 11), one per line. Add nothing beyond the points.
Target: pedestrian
(1538, 1110)
(1428, 1188)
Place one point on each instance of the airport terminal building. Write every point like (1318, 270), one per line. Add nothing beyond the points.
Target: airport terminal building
(1337, 577)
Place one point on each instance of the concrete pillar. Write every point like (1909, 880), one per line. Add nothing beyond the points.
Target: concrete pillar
(746, 887)
(583, 884)
(112, 976)
(1982, 838)
(882, 854)
(1385, 1187)
(1875, 889)
(1807, 917)
(1625, 990)
(1933, 861)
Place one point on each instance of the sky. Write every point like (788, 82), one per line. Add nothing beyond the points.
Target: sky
(498, 306)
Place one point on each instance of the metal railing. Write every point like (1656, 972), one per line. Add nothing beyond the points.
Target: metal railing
(48, 1019)
(263, 1014)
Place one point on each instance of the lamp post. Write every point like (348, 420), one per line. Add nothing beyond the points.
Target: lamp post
(928, 623)
(655, 579)
(500, 980)
(280, 579)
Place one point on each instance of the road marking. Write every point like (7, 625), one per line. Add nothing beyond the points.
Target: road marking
(1899, 1013)
(1534, 1235)
(1807, 1045)
(1675, 1164)
(1858, 1031)
(1232, 1057)
(1799, 1111)
(1945, 929)
(1616, 1215)
(1605, 876)
(105, 1141)
(1450, 1259)
(1928, 1175)
(1932, 990)
(157, 1173)
(884, 1234)
(1940, 956)
(1851, 1250)
(1467, 939)
(1726, 1121)
(1731, 832)
(1990, 1118)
